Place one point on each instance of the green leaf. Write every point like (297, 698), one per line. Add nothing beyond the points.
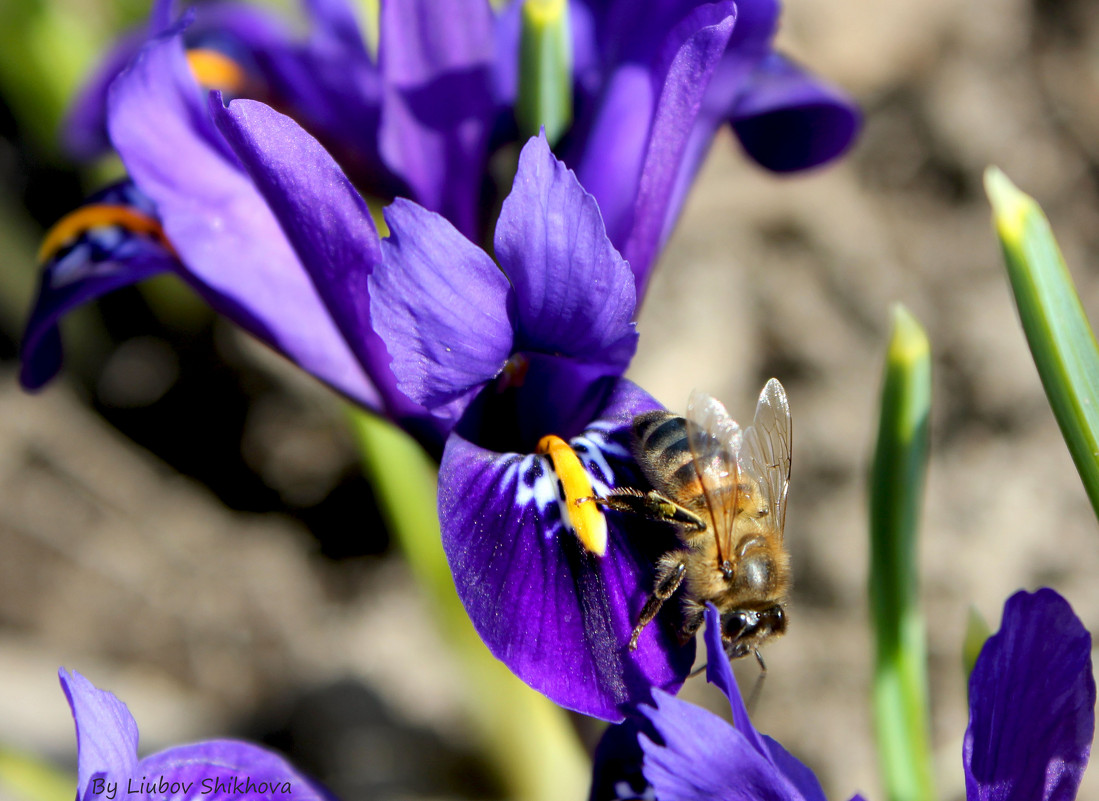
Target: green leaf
(545, 69)
(527, 738)
(896, 491)
(27, 778)
(1061, 341)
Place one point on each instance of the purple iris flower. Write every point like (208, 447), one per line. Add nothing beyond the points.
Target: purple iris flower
(421, 121)
(514, 353)
(220, 770)
(1031, 722)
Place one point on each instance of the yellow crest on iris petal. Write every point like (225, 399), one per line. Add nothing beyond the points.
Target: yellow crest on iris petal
(579, 510)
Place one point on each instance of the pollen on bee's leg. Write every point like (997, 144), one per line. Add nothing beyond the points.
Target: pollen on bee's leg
(86, 218)
(578, 507)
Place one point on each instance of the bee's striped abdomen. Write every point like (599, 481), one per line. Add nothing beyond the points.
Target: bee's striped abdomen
(664, 454)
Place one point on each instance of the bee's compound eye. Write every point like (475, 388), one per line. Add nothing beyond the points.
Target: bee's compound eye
(739, 624)
(772, 620)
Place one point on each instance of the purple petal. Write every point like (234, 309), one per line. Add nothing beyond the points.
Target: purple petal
(706, 33)
(788, 120)
(325, 220)
(93, 261)
(720, 673)
(1031, 704)
(632, 152)
(574, 293)
(616, 769)
(106, 734)
(441, 305)
(224, 770)
(440, 100)
(234, 250)
(557, 615)
(700, 757)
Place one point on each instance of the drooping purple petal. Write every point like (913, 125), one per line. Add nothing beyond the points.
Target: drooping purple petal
(439, 102)
(787, 120)
(226, 770)
(616, 764)
(326, 221)
(235, 253)
(555, 613)
(442, 307)
(574, 293)
(720, 673)
(106, 734)
(700, 757)
(1031, 704)
(100, 254)
(215, 770)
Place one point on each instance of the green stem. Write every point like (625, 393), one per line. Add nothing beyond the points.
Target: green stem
(896, 490)
(545, 69)
(528, 739)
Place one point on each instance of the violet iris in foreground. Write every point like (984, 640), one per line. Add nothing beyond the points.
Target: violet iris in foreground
(533, 348)
(218, 770)
(1031, 722)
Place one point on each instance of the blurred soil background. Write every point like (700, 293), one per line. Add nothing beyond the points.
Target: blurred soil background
(183, 517)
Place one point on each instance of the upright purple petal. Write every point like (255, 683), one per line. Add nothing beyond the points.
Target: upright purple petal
(1031, 704)
(439, 102)
(629, 153)
(106, 734)
(441, 306)
(574, 293)
(787, 120)
(234, 250)
(688, 71)
(558, 615)
(326, 221)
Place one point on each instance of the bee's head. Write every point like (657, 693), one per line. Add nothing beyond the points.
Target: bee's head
(744, 629)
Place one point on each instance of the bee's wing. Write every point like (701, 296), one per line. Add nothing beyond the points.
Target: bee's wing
(715, 439)
(765, 452)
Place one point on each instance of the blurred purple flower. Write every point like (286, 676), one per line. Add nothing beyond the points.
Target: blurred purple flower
(419, 121)
(1031, 722)
(218, 770)
(511, 354)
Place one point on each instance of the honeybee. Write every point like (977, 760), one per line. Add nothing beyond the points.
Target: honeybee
(724, 488)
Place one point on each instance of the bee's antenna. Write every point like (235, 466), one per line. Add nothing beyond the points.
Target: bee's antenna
(696, 671)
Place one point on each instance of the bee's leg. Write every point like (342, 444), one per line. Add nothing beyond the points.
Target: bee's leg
(693, 618)
(669, 575)
(651, 505)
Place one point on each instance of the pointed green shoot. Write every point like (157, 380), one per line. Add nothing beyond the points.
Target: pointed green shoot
(1056, 327)
(528, 739)
(896, 490)
(545, 69)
